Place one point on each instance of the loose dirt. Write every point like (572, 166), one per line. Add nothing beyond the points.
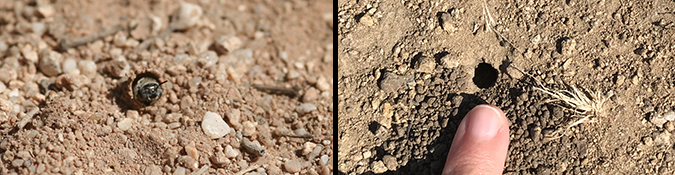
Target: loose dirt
(410, 70)
(66, 105)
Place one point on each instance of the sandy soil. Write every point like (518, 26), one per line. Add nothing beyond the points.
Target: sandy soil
(410, 70)
(67, 105)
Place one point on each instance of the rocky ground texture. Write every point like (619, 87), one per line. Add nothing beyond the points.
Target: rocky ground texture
(410, 70)
(246, 87)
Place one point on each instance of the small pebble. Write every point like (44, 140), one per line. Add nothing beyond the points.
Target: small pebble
(230, 152)
(324, 159)
(125, 124)
(38, 28)
(292, 166)
(46, 10)
(390, 162)
(186, 16)
(233, 117)
(208, 59)
(378, 167)
(292, 74)
(367, 20)
(315, 152)
(670, 126)
(69, 65)
(192, 151)
(179, 171)
(87, 68)
(658, 120)
(214, 126)
(28, 52)
(300, 131)
(17, 162)
(220, 159)
(670, 115)
(310, 95)
(228, 43)
(194, 82)
(322, 84)
(425, 64)
(249, 129)
(308, 147)
(305, 108)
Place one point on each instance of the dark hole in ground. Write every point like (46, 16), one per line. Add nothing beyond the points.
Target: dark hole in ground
(485, 76)
(374, 127)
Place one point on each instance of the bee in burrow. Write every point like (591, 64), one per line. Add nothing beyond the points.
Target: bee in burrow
(147, 89)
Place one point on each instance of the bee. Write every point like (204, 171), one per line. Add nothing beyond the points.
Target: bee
(147, 89)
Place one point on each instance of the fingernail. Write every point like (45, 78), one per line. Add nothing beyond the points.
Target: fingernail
(484, 123)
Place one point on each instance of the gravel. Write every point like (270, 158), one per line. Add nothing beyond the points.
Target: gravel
(305, 108)
(292, 166)
(186, 16)
(125, 124)
(214, 126)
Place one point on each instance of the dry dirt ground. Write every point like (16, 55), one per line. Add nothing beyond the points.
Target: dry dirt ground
(410, 70)
(66, 108)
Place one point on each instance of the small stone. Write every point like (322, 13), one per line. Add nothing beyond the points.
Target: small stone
(38, 28)
(450, 61)
(2, 87)
(367, 20)
(194, 82)
(568, 46)
(180, 171)
(214, 126)
(446, 22)
(117, 68)
(230, 152)
(425, 64)
(322, 84)
(324, 159)
(17, 162)
(191, 150)
(390, 82)
(657, 120)
(30, 53)
(69, 65)
(174, 125)
(310, 95)
(186, 16)
(387, 113)
(292, 74)
(315, 152)
(662, 138)
(670, 115)
(151, 170)
(670, 126)
(378, 167)
(300, 131)
(249, 129)
(125, 124)
(305, 108)
(514, 73)
(140, 28)
(292, 166)
(189, 162)
(207, 59)
(308, 147)
(220, 159)
(390, 162)
(23, 154)
(227, 43)
(72, 82)
(46, 10)
(234, 117)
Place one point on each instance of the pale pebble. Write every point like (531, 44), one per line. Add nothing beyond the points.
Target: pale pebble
(230, 152)
(125, 124)
(69, 65)
(305, 108)
(214, 126)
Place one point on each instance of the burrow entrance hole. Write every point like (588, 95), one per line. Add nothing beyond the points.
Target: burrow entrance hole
(485, 76)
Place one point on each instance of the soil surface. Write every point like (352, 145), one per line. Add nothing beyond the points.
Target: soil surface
(410, 70)
(261, 73)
